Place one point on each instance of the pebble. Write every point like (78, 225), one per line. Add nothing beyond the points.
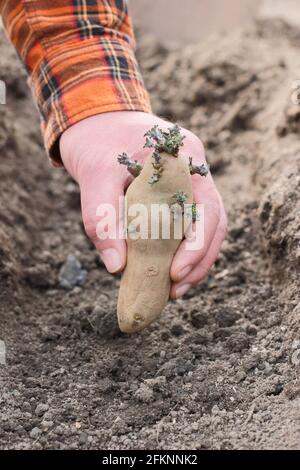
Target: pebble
(240, 376)
(215, 410)
(195, 426)
(35, 432)
(144, 394)
(127, 442)
(296, 344)
(71, 273)
(177, 330)
(155, 383)
(46, 424)
(226, 318)
(60, 430)
(83, 438)
(41, 409)
(251, 362)
(26, 407)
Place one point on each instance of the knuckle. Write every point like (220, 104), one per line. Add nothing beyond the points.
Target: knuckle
(90, 227)
(199, 275)
(195, 144)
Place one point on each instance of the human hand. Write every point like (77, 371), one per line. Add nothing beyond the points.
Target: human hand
(89, 151)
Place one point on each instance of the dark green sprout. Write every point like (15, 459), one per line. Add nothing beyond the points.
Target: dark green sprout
(195, 215)
(180, 197)
(201, 170)
(133, 166)
(191, 212)
(168, 141)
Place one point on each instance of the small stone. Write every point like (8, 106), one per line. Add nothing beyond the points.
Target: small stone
(156, 383)
(195, 426)
(238, 342)
(105, 321)
(251, 330)
(251, 362)
(46, 424)
(26, 406)
(198, 320)
(144, 394)
(226, 318)
(215, 410)
(34, 433)
(77, 290)
(71, 273)
(83, 438)
(120, 425)
(202, 336)
(177, 330)
(41, 409)
(240, 376)
(60, 430)
(296, 344)
(105, 385)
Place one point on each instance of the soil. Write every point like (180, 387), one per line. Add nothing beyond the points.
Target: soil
(220, 369)
(174, 21)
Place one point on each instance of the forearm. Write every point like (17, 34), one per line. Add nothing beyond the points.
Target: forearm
(80, 60)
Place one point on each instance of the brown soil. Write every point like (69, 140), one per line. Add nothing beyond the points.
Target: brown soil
(220, 369)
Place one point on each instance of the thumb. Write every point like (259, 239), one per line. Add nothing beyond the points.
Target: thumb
(102, 205)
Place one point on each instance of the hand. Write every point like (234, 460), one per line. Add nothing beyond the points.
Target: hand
(89, 151)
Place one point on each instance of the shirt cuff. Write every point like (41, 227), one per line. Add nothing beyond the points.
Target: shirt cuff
(81, 79)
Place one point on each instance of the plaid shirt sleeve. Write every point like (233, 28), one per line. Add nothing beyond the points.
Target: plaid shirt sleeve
(79, 55)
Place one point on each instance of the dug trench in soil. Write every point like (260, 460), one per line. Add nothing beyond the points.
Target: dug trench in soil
(220, 369)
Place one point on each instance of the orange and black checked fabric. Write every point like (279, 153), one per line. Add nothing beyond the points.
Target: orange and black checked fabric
(80, 58)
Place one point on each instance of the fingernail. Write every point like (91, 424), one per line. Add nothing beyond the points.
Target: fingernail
(182, 290)
(112, 260)
(184, 272)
